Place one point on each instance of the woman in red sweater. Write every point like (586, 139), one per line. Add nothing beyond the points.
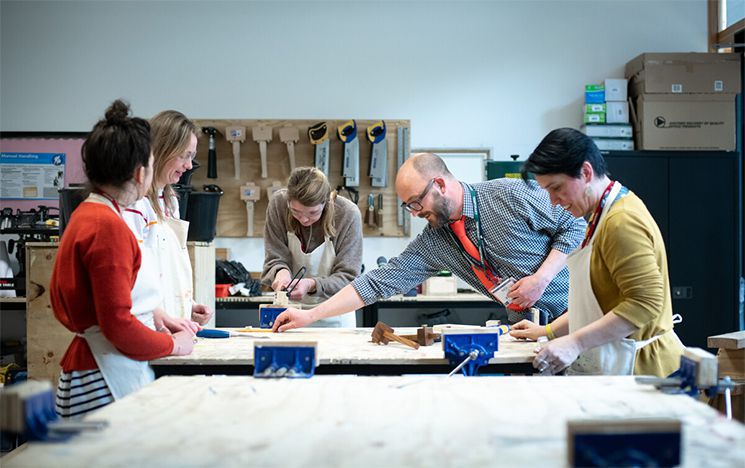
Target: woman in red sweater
(93, 280)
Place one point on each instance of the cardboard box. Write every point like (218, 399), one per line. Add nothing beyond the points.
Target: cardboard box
(594, 94)
(677, 73)
(685, 122)
(615, 89)
(440, 286)
(614, 144)
(608, 131)
(594, 108)
(594, 117)
(617, 112)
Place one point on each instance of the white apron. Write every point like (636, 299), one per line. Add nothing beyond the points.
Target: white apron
(173, 259)
(122, 374)
(318, 263)
(617, 357)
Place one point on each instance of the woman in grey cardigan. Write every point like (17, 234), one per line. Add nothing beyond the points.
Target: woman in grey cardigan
(308, 225)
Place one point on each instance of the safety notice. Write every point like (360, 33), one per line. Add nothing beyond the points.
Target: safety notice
(31, 176)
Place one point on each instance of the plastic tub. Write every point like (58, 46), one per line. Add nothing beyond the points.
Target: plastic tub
(201, 213)
(221, 290)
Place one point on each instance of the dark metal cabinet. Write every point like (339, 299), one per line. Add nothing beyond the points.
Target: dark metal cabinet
(696, 199)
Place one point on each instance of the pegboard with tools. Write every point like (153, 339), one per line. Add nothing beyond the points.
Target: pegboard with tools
(360, 159)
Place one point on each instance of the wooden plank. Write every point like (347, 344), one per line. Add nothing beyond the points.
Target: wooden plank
(349, 346)
(232, 217)
(202, 256)
(357, 421)
(47, 339)
(734, 340)
(731, 363)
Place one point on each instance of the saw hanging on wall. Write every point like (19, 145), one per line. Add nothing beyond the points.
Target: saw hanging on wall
(350, 169)
(378, 170)
(318, 135)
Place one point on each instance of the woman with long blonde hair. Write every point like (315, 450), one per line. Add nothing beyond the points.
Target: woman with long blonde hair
(308, 225)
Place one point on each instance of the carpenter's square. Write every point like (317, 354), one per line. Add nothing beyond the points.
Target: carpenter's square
(379, 154)
(350, 170)
(318, 135)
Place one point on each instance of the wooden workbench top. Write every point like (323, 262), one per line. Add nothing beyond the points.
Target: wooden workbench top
(374, 421)
(337, 346)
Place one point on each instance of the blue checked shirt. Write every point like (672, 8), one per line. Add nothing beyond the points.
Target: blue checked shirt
(520, 227)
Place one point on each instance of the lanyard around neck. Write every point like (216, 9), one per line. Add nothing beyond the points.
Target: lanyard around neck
(595, 218)
(479, 263)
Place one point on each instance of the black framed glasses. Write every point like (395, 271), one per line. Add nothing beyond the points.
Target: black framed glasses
(416, 204)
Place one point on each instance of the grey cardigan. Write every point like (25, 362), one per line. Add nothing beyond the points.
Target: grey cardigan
(347, 243)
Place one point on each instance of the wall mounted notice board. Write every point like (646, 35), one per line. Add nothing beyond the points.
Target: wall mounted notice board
(232, 217)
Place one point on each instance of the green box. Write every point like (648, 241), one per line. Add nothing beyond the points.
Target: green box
(595, 109)
(591, 88)
(594, 117)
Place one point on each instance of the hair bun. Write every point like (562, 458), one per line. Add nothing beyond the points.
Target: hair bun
(117, 112)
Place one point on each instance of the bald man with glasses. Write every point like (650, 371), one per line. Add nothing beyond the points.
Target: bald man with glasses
(487, 234)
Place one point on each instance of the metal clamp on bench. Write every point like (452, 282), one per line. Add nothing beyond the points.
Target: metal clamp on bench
(295, 359)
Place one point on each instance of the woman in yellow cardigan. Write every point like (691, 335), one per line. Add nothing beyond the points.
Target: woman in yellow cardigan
(619, 319)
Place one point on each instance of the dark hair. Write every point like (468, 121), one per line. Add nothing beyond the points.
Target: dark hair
(563, 151)
(116, 147)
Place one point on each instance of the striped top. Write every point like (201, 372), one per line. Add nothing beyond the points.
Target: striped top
(520, 228)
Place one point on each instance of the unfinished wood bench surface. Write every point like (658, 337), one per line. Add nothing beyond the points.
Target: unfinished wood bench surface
(337, 346)
(375, 421)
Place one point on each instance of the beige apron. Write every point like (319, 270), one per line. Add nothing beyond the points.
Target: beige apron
(319, 264)
(174, 263)
(614, 358)
(122, 374)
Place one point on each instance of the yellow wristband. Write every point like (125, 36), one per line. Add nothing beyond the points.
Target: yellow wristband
(550, 333)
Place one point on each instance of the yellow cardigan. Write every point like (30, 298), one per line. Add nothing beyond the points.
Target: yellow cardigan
(628, 271)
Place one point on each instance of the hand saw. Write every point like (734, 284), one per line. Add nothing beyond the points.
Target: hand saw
(350, 170)
(379, 154)
(318, 135)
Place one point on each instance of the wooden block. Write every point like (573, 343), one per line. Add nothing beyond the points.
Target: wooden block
(222, 253)
(734, 340)
(706, 367)
(732, 363)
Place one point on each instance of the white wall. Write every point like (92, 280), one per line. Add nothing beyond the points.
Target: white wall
(494, 74)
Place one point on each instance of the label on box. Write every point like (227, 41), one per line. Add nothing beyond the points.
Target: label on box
(718, 86)
(676, 88)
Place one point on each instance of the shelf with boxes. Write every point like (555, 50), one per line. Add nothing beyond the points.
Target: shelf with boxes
(606, 115)
(265, 149)
(684, 101)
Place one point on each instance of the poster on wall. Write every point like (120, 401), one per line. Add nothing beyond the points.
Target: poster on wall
(31, 176)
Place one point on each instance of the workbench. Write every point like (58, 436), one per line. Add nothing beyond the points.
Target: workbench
(370, 312)
(410, 421)
(339, 351)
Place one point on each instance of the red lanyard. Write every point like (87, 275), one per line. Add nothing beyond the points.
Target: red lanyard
(595, 218)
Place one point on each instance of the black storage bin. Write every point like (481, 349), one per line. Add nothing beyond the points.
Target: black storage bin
(202, 215)
(182, 193)
(69, 199)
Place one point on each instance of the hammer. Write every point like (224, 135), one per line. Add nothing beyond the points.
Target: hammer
(382, 333)
(290, 136)
(262, 135)
(211, 152)
(236, 135)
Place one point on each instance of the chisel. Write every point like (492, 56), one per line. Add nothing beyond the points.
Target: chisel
(318, 135)
(378, 154)
(379, 212)
(347, 133)
(370, 213)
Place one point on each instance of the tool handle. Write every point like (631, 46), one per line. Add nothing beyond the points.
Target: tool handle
(250, 218)
(212, 333)
(262, 150)
(403, 341)
(212, 163)
(291, 154)
(237, 159)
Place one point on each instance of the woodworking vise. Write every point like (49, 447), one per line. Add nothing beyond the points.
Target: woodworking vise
(470, 348)
(699, 371)
(29, 410)
(289, 359)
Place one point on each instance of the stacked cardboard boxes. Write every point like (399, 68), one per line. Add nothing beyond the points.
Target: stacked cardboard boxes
(684, 101)
(606, 115)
